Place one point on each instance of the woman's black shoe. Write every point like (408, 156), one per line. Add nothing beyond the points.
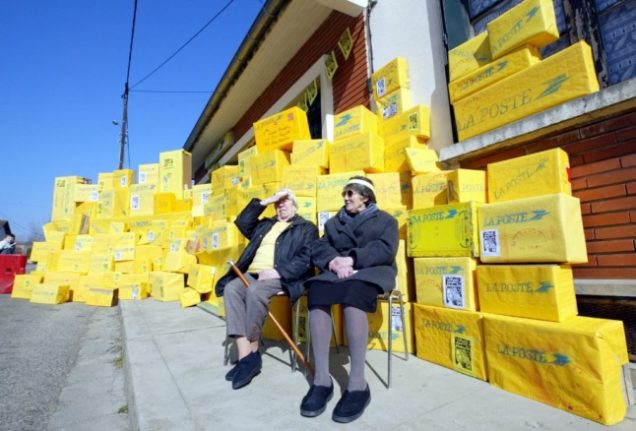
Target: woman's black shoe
(315, 402)
(351, 405)
(247, 368)
(230, 374)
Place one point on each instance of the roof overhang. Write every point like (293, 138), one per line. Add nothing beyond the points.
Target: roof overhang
(280, 30)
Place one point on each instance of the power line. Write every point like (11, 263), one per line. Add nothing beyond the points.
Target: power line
(124, 119)
(184, 45)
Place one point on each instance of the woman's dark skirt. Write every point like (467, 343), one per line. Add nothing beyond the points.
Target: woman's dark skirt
(356, 293)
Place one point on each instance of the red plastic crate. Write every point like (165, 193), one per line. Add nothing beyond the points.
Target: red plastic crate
(10, 265)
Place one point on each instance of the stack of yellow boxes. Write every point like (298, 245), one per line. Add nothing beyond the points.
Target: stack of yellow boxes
(498, 76)
(536, 345)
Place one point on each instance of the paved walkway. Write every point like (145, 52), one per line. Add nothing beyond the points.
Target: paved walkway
(175, 378)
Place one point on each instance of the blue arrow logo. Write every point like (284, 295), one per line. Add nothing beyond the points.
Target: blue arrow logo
(532, 12)
(553, 85)
(460, 329)
(539, 214)
(451, 213)
(344, 120)
(544, 287)
(502, 65)
(455, 269)
(560, 359)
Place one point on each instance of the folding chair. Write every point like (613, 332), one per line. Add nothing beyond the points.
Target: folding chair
(394, 294)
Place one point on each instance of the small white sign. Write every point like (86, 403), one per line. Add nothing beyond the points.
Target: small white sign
(453, 291)
(489, 240)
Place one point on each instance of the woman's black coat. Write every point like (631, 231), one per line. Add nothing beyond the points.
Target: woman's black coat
(371, 241)
(291, 253)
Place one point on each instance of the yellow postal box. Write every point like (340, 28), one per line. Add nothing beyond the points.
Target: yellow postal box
(394, 155)
(387, 189)
(545, 228)
(178, 261)
(469, 56)
(23, 285)
(355, 121)
(301, 331)
(50, 293)
(536, 174)
(422, 161)
(363, 151)
(415, 121)
(86, 193)
(301, 179)
(564, 76)
(313, 152)
(531, 22)
(244, 162)
(394, 103)
(451, 338)
(200, 195)
(70, 279)
(543, 292)
(401, 214)
(493, 72)
(390, 77)
(329, 190)
(148, 174)
(445, 230)
(466, 185)
(101, 296)
(175, 172)
(446, 282)
(166, 286)
(64, 196)
(307, 208)
(280, 130)
(575, 365)
(429, 189)
(202, 277)
(280, 307)
(379, 328)
(123, 178)
(105, 181)
(224, 177)
(42, 249)
(189, 297)
(74, 261)
(268, 166)
(133, 290)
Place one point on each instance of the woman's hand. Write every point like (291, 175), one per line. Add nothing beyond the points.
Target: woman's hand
(342, 266)
(274, 198)
(268, 274)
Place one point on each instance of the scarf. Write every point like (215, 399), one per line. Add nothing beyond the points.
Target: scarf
(346, 218)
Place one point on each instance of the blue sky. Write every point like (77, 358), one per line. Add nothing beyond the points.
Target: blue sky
(62, 73)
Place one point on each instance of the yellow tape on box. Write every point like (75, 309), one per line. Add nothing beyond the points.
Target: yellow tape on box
(50, 293)
(202, 277)
(280, 307)
(149, 174)
(532, 22)
(175, 172)
(532, 175)
(390, 77)
(429, 190)
(313, 152)
(545, 228)
(394, 155)
(355, 121)
(166, 286)
(387, 189)
(469, 56)
(224, 177)
(446, 282)
(301, 179)
(23, 285)
(445, 230)
(394, 103)
(189, 297)
(422, 161)
(451, 338)
(466, 185)
(575, 365)
(493, 72)
(379, 331)
(268, 166)
(563, 76)
(363, 151)
(544, 292)
(280, 130)
(98, 296)
(415, 121)
(328, 195)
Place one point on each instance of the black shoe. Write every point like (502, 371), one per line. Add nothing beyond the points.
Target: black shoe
(247, 368)
(230, 374)
(351, 405)
(315, 402)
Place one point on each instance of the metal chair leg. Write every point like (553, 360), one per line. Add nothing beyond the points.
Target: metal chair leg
(390, 343)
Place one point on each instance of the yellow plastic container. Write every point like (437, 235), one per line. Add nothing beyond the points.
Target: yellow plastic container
(543, 292)
(448, 282)
(279, 131)
(575, 365)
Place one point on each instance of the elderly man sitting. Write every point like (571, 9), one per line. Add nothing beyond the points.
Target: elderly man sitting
(276, 259)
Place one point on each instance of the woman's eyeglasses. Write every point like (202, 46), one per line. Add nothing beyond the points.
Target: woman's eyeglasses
(348, 193)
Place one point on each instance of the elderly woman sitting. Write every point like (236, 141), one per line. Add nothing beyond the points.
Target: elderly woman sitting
(357, 257)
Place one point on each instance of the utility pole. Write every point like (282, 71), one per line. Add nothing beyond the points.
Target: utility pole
(124, 128)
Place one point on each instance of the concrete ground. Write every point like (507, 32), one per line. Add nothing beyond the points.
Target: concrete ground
(175, 381)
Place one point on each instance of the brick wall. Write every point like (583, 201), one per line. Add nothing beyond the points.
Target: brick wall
(603, 171)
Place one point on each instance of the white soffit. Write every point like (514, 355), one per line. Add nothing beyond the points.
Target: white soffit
(288, 34)
(350, 7)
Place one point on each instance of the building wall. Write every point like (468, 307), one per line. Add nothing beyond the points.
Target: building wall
(349, 82)
(603, 171)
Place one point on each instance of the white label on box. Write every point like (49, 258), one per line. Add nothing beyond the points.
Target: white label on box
(123, 181)
(150, 235)
(142, 177)
(323, 216)
(135, 292)
(215, 241)
(173, 246)
(93, 196)
(380, 88)
(78, 246)
(396, 319)
(134, 202)
(235, 180)
(204, 197)
(454, 291)
(118, 255)
(389, 111)
(490, 243)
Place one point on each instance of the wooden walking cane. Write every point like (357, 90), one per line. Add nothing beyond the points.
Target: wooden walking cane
(289, 340)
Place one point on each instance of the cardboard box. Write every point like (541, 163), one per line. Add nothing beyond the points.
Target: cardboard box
(105, 181)
(390, 77)
(23, 285)
(448, 282)
(175, 172)
(465, 185)
(189, 297)
(133, 290)
(268, 166)
(531, 22)
(98, 296)
(394, 155)
(244, 162)
(387, 189)
(41, 250)
(394, 103)
(149, 174)
(200, 195)
(178, 261)
(416, 121)
(224, 177)
(535, 174)
(86, 193)
(406, 189)
(575, 365)
(379, 328)
(313, 152)
(401, 214)
(451, 338)
(361, 151)
(355, 121)
(202, 278)
(422, 161)
(166, 286)
(545, 228)
(543, 292)
(429, 190)
(445, 230)
(123, 247)
(493, 72)
(564, 76)
(337, 334)
(307, 208)
(301, 179)
(74, 261)
(280, 307)
(50, 293)
(469, 56)
(64, 196)
(142, 199)
(329, 190)
(164, 203)
(280, 130)
(123, 178)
